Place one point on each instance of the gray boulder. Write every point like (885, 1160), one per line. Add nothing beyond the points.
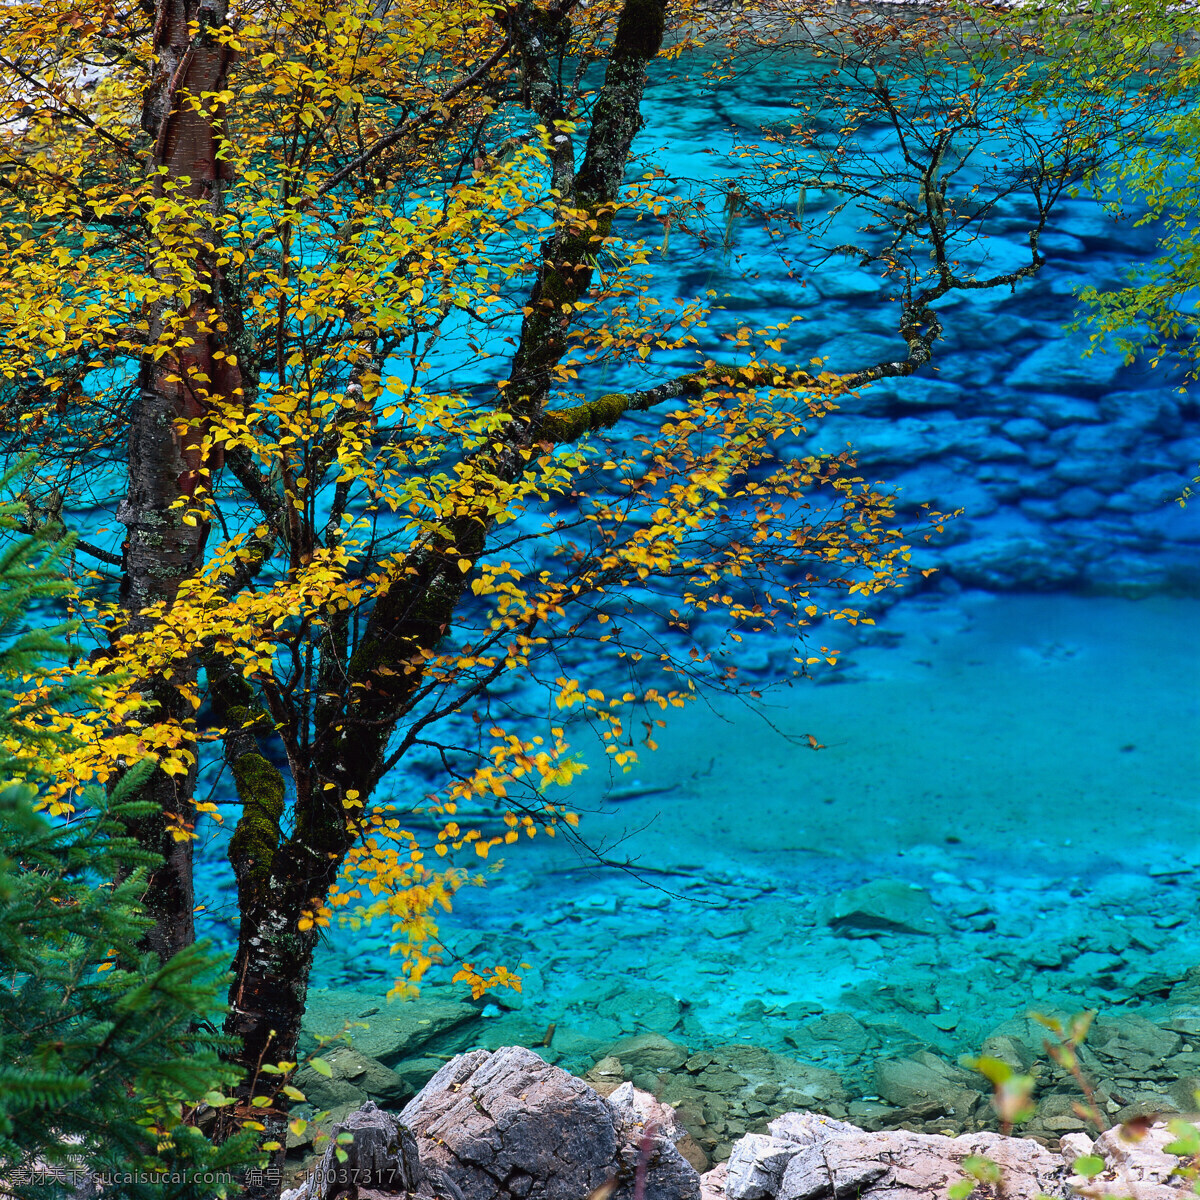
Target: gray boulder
(508, 1125)
(756, 1166)
(823, 1159)
(649, 1132)
(381, 1160)
(901, 1165)
(1134, 1166)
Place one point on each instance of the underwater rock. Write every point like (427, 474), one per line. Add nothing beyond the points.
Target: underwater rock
(383, 1030)
(648, 1052)
(508, 1124)
(1129, 575)
(851, 350)
(1132, 1039)
(1185, 1091)
(1012, 561)
(415, 1073)
(721, 1094)
(899, 440)
(1184, 1018)
(607, 1075)
(1009, 1050)
(1057, 1115)
(947, 490)
(832, 1033)
(1156, 410)
(1060, 366)
(1146, 495)
(354, 1078)
(642, 1010)
(912, 392)
(885, 905)
(1058, 411)
(927, 1081)
(1169, 522)
(829, 1159)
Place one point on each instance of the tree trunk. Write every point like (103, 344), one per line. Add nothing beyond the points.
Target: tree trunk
(166, 460)
(280, 878)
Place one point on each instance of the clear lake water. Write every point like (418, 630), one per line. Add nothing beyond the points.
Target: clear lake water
(1016, 741)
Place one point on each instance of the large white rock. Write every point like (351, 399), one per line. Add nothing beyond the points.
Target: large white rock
(830, 1160)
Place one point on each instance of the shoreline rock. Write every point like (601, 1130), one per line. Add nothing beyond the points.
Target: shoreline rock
(505, 1125)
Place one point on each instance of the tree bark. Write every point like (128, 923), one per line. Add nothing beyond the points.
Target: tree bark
(166, 461)
(281, 876)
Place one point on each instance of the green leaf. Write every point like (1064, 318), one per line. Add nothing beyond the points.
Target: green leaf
(961, 1189)
(1187, 1139)
(1088, 1165)
(1080, 1024)
(261, 1101)
(1051, 1023)
(983, 1169)
(321, 1067)
(993, 1069)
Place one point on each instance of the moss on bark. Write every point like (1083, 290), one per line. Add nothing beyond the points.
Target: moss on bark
(256, 838)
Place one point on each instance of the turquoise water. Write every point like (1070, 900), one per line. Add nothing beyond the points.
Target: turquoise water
(1018, 737)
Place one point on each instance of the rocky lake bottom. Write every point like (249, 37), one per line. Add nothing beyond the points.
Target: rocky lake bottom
(999, 824)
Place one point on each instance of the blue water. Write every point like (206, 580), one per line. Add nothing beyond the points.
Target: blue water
(1017, 736)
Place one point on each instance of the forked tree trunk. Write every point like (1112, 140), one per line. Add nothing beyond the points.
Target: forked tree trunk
(279, 877)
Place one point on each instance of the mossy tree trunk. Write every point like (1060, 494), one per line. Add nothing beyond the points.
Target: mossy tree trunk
(163, 544)
(365, 695)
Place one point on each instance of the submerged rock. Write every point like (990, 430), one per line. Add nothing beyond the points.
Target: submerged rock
(1061, 366)
(648, 1052)
(354, 1079)
(927, 1082)
(885, 905)
(387, 1031)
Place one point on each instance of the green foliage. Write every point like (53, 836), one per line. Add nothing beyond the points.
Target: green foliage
(1012, 1093)
(103, 1060)
(1140, 57)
